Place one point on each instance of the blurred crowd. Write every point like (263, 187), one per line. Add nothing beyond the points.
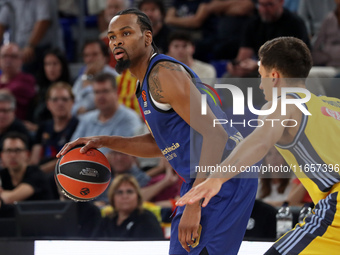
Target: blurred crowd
(50, 94)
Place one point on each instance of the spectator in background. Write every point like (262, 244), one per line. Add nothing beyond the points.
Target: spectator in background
(98, 8)
(155, 10)
(273, 21)
(36, 28)
(157, 184)
(231, 17)
(21, 85)
(326, 50)
(55, 69)
(129, 219)
(54, 133)
(182, 48)
(181, 12)
(67, 8)
(313, 12)
(19, 180)
(292, 5)
(8, 121)
(95, 56)
(109, 117)
(274, 187)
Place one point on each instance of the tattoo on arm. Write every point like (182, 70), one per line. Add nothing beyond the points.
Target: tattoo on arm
(154, 83)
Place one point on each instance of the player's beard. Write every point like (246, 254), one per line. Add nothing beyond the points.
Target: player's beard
(122, 65)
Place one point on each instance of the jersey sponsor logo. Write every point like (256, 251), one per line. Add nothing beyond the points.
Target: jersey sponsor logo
(170, 148)
(147, 112)
(330, 113)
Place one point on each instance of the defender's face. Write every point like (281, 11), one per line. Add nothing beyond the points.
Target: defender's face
(126, 40)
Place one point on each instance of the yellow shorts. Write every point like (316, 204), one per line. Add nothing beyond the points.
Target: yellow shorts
(320, 232)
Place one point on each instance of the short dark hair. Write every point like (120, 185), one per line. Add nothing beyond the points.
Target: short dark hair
(103, 47)
(102, 77)
(159, 4)
(289, 55)
(60, 85)
(142, 20)
(182, 36)
(15, 135)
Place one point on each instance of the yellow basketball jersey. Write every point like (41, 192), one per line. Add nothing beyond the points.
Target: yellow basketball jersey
(314, 155)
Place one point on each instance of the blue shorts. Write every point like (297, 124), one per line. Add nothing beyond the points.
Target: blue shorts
(224, 219)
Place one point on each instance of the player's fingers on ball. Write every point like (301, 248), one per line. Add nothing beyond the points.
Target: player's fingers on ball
(62, 151)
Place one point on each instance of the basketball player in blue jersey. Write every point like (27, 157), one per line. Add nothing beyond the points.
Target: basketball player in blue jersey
(169, 94)
(308, 142)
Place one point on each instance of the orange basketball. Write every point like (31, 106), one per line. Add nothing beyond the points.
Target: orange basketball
(83, 176)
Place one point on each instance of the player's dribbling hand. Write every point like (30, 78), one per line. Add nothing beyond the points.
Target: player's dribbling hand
(189, 225)
(206, 190)
(88, 142)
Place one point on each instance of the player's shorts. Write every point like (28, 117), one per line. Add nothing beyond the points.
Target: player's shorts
(320, 232)
(224, 219)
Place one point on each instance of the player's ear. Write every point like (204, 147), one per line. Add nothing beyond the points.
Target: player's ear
(275, 75)
(148, 38)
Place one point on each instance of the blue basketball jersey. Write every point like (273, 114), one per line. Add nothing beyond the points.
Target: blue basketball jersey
(179, 143)
(225, 218)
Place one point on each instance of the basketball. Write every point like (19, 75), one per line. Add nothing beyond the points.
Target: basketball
(82, 176)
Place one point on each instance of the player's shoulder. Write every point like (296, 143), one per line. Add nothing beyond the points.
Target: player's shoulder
(165, 66)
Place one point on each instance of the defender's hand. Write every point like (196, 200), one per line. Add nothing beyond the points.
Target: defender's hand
(207, 189)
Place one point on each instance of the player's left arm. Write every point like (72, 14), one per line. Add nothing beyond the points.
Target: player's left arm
(170, 83)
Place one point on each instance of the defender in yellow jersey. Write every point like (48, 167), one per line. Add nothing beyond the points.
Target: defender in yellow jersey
(309, 143)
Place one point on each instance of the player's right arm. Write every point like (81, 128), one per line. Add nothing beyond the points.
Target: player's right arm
(140, 146)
